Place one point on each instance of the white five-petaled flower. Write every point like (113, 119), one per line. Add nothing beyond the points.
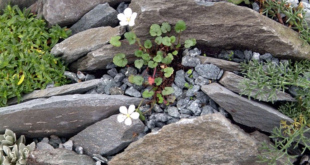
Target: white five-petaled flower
(127, 18)
(127, 115)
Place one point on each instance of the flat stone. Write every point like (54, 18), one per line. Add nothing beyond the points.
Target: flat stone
(209, 139)
(61, 115)
(101, 57)
(208, 71)
(232, 82)
(67, 12)
(132, 92)
(173, 111)
(221, 25)
(108, 136)
(58, 156)
(84, 42)
(190, 61)
(101, 15)
(247, 112)
(76, 88)
(44, 146)
(223, 64)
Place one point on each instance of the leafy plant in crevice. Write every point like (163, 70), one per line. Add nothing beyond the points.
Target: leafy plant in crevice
(157, 55)
(25, 61)
(262, 76)
(14, 151)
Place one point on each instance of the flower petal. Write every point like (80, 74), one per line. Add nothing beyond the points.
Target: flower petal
(128, 12)
(123, 110)
(121, 118)
(123, 23)
(131, 109)
(128, 121)
(135, 115)
(121, 17)
(131, 23)
(133, 16)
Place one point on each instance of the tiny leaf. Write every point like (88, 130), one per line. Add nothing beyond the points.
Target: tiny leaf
(138, 53)
(155, 30)
(152, 64)
(175, 52)
(147, 44)
(146, 57)
(180, 26)
(158, 81)
(189, 43)
(165, 27)
(115, 41)
(138, 80)
(166, 41)
(158, 58)
(131, 37)
(167, 91)
(120, 60)
(172, 39)
(147, 93)
(138, 63)
(158, 40)
(168, 71)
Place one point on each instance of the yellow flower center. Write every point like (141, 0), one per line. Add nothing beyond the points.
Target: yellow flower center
(128, 115)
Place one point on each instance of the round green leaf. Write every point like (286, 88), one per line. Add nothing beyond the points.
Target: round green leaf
(160, 98)
(120, 60)
(167, 91)
(138, 80)
(148, 44)
(158, 40)
(152, 64)
(168, 71)
(166, 41)
(189, 43)
(147, 94)
(158, 58)
(172, 39)
(155, 30)
(146, 57)
(115, 41)
(175, 52)
(180, 26)
(158, 81)
(165, 27)
(168, 59)
(131, 37)
(160, 53)
(138, 63)
(138, 53)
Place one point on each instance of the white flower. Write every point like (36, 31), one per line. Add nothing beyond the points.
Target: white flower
(127, 18)
(127, 115)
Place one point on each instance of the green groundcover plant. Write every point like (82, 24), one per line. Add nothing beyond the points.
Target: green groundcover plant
(25, 61)
(157, 55)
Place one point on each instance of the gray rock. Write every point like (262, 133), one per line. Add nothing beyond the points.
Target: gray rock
(100, 58)
(110, 65)
(247, 55)
(121, 7)
(117, 136)
(186, 111)
(61, 115)
(233, 82)
(194, 52)
(195, 75)
(244, 111)
(159, 124)
(226, 54)
(119, 77)
(79, 150)
(89, 77)
(112, 72)
(101, 15)
(220, 75)
(182, 116)
(44, 146)
(81, 75)
(202, 97)
(215, 131)
(255, 6)
(239, 54)
(84, 42)
(45, 140)
(68, 145)
(58, 157)
(116, 91)
(173, 111)
(179, 79)
(207, 109)
(208, 71)
(190, 61)
(266, 57)
(201, 81)
(54, 141)
(194, 106)
(177, 91)
(157, 108)
(224, 32)
(182, 103)
(172, 120)
(161, 117)
(132, 92)
(72, 76)
(75, 88)
(151, 124)
(67, 12)
(123, 87)
(223, 64)
(223, 112)
(189, 78)
(192, 91)
(130, 71)
(255, 56)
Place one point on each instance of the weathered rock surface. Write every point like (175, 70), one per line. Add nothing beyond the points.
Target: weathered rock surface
(67, 12)
(108, 136)
(20, 3)
(99, 58)
(223, 64)
(84, 42)
(101, 15)
(247, 112)
(205, 140)
(232, 82)
(76, 88)
(58, 156)
(61, 115)
(222, 25)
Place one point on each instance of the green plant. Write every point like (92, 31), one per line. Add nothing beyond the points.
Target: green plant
(157, 56)
(25, 61)
(12, 151)
(237, 2)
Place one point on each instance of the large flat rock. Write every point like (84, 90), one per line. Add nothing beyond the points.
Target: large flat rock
(222, 25)
(61, 115)
(84, 42)
(247, 112)
(76, 88)
(107, 137)
(67, 12)
(223, 64)
(233, 82)
(99, 58)
(205, 140)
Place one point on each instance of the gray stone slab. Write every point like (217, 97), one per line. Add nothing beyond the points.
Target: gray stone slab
(61, 115)
(247, 112)
(76, 88)
(223, 64)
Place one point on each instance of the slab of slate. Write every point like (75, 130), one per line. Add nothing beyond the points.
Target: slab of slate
(223, 64)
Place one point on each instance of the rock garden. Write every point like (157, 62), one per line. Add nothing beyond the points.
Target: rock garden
(136, 82)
